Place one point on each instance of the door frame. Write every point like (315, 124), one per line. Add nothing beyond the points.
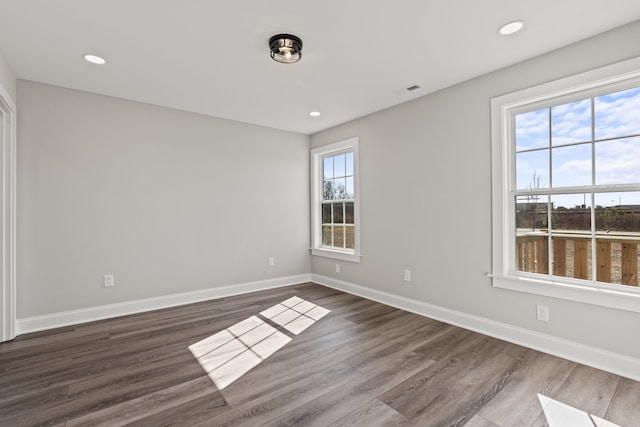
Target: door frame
(8, 213)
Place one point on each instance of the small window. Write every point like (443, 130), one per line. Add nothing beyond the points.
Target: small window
(335, 200)
(566, 181)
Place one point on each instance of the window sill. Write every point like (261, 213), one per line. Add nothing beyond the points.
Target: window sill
(328, 253)
(605, 297)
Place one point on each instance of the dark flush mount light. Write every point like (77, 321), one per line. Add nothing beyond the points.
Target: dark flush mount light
(285, 48)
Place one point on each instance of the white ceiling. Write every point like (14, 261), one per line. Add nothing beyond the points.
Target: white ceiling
(211, 56)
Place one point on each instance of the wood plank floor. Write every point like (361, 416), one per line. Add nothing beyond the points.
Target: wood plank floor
(358, 364)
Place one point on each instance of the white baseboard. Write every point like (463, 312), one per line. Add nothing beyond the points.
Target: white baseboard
(74, 317)
(591, 356)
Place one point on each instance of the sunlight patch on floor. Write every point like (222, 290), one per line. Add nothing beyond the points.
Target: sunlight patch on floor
(559, 414)
(231, 353)
(295, 314)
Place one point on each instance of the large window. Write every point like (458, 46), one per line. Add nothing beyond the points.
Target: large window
(335, 200)
(567, 188)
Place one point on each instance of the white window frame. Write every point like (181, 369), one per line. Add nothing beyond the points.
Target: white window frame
(504, 273)
(8, 153)
(317, 156)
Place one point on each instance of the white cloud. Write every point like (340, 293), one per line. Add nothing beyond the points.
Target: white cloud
(618, 161)
(571, 166)
(529, 163)
(618, 114)
(572, 173)
(571, 122)
(532, 129)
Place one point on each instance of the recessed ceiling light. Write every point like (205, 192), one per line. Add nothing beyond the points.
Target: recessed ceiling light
(314, 113)
(511, 28)
(94, 59)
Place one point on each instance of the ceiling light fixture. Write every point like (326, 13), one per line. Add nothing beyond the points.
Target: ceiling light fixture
(285, 48)
(314, 113)
(511, 28)
(94, 59)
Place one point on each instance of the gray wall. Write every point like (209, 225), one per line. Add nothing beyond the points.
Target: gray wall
(426, 200)
(167, 201)
(7, 78)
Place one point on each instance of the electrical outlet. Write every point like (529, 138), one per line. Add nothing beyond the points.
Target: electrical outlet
(272, 261)
(542, 313)
(337, 268)
(108, 280)
(407, 275)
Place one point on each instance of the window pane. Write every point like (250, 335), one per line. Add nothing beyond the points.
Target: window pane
(326, 213)
(532, 169)
(328, 190)
(348, 213)
(339, 189)
(571, 166)
(618, 161)
(532, 213)
(326, 235)
(571, 201)
(618, 213)
(572, 257)
(571, 122)
(339, 167)
(328, 167)
(349, 161)
(617, 114)
(571, 213)
(338, 236)
(338, 213)
(532, 130)
(559, 249)
(349, 190)
(617, 261)
(532, 252)
(350, 237)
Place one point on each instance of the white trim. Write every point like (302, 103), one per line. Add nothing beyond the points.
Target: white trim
(504, 274)
(8, 180)
(316, 199)
(74, 317)
(600, 296)
(344, 256)
(616, 363)
(6, 98)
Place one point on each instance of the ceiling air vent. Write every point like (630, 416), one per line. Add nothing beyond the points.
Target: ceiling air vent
(405, 90)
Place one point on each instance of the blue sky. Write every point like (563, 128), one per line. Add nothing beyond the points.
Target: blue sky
(617, 160)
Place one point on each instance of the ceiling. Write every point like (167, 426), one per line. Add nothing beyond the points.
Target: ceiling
(211, 57)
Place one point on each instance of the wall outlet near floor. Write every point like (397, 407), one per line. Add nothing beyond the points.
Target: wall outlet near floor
(337, 268)
(407, 275)
(542, 313)
(272, 261)
(108, 280)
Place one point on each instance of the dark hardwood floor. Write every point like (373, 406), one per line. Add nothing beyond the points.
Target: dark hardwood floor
(360, 364)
